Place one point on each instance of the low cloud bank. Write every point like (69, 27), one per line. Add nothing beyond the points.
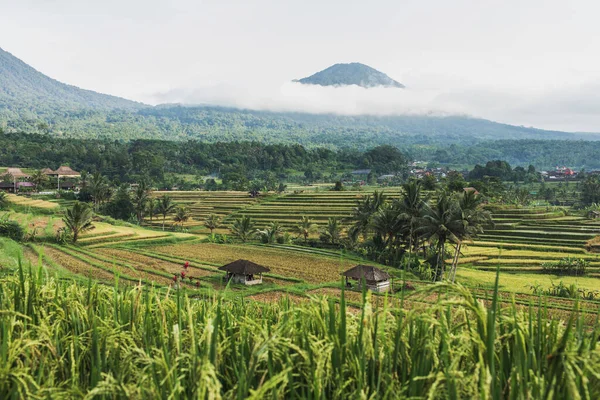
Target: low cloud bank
(570, 109)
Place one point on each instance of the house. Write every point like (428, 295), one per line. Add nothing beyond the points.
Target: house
(15, 173)
(244, 272)
(373, 278)
(385, 177)
(593, 214)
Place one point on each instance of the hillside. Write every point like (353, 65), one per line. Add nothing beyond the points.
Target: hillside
(22, 89)
(351, 74)
(34, 103)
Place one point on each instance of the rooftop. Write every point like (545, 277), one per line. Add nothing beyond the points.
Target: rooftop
(244, 267)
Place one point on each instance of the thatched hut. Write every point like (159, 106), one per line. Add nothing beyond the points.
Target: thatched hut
(244, 272)
(374, 278)
(16, 173)
(65, 172)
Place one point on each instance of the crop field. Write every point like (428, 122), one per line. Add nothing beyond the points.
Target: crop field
(32, 202)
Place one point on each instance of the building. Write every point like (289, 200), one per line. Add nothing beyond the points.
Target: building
(374, 278)
(62, 172)
(244, 272)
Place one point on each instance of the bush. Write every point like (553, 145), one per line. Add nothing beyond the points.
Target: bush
(567, 266)
(11, 229)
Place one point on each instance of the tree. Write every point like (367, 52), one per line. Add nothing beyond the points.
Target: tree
(3, 200)
(474, 218)
(38, 178)
(120, 206)
(165, 206)
(182, 215)
(99, 189)
(243, 228)
(212, 222)
(305, 227)
(590, 190)
(151, 207)
(140, 199)
(270, 233)
(78, 219)
(364, 210)
(331, 233)
(410, 207)
(440, 224)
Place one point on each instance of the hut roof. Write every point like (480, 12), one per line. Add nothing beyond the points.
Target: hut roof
(244, 267)
(47, 171)
(368, 272)
(66, 171)
(15, 172)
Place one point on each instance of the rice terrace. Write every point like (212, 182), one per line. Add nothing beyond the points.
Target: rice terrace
(316, 200)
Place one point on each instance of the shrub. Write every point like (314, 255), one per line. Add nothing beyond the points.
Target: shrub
(567, 266)
(11, 229)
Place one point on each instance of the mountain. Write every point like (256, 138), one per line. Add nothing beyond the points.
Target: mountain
(351, 74)
(24, 89)
(34, 103)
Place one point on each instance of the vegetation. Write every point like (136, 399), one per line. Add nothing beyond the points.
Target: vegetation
(78, 219)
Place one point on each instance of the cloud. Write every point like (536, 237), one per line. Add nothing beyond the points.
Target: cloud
(570, 108)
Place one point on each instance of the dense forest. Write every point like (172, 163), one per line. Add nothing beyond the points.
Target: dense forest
(154, 159)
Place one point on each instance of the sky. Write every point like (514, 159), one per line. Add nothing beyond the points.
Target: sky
(533, 63)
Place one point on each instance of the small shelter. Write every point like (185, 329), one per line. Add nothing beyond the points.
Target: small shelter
(47, 171)
(374, 278)
(244, 272)
(593, 214)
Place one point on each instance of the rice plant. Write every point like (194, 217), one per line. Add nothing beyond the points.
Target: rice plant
(64, 339)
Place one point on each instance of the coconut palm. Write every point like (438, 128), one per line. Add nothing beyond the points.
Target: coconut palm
(99, 189)
(78, 219)
(182, 215)
(140, 200)
(271, 232)
(364, 210)
(212, 222)
(474, 218)
(305, 227)
(38, 178)
(410, 207)
(442, 222)
(332, 231)
(387, 224)
(243, 228)
(151, 207)
(164, 207)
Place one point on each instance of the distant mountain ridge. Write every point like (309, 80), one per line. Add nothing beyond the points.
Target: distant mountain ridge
(351, 74)
(23, 87)
(34, 103)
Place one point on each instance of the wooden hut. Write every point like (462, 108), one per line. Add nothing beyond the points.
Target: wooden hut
(15, 173)
(374, 278)
(244, 272)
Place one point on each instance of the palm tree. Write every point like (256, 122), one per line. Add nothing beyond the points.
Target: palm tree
(271, 232)
(212, 222)
(474, 218)
(410, 207)
(165, 206)
(243, 228)
(387, 224)
(181, 215)
(3, 200)
(38, 178)
(305, 227)
(140, 199)
(99, 189)
(78, 219)
(441, 223)
(332, 230)
(364, 210)
(151, 207)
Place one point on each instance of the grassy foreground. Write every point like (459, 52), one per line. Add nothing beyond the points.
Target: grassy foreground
(60, 339)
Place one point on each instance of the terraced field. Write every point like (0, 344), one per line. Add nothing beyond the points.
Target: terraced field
(201, 204)
(521, 240)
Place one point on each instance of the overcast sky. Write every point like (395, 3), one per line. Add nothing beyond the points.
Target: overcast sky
(533, 62)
